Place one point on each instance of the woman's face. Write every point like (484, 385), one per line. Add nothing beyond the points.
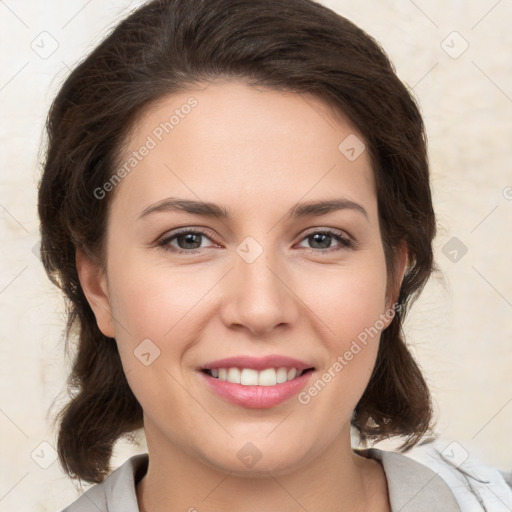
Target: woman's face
(304, 287)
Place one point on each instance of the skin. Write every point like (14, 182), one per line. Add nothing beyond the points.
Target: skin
(257, 152)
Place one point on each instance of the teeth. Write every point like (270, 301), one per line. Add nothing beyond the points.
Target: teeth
(233, 375)
(267, 377)
(282, 375)
(250, 377)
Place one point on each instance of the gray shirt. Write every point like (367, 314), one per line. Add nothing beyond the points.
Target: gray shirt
(412, 486)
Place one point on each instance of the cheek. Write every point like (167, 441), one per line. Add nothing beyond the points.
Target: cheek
(153, 309)
(351, 305)
(348, 300)
(156, 301)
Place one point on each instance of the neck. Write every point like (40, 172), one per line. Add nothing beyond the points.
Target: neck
(337, 479)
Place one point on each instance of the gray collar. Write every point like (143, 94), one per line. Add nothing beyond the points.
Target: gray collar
(412, 486)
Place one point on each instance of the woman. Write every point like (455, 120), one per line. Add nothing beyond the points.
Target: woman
(275, 137)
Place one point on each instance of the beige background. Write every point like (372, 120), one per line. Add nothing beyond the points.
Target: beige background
(460, 330)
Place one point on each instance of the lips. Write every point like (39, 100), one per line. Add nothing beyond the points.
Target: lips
(256, 382)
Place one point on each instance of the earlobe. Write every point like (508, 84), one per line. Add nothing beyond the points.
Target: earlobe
(93, 280)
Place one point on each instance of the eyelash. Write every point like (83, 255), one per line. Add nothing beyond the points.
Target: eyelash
(345, 243)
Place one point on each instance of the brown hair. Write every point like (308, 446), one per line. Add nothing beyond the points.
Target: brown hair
(166, 46)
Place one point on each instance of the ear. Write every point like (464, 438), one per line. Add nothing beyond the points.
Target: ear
(94, 284)
(401, 266)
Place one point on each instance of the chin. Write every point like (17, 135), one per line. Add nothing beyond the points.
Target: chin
(257, 460)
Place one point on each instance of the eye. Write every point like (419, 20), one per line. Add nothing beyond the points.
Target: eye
(188, 241)
(322, 239)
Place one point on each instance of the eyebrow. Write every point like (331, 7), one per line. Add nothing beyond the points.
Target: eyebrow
(207, 209)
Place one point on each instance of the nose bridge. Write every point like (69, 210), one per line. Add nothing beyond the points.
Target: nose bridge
(260, 299)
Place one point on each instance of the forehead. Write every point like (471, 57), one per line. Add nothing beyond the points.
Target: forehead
(237, 144)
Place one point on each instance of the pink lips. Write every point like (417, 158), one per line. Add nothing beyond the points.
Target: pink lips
(256, 397)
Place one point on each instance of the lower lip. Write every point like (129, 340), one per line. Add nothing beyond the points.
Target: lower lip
(257, 397)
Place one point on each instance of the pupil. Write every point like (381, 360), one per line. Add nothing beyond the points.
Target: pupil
(321, 236)
(189, 239)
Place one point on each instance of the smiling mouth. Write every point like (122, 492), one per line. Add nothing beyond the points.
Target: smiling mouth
(251, 377)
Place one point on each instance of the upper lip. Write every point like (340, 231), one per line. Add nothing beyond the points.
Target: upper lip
(258, 363)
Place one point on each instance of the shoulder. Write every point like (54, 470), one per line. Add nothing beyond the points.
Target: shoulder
(117, 492)
(444, 475)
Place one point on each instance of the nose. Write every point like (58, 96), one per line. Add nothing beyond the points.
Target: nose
(259, 296)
